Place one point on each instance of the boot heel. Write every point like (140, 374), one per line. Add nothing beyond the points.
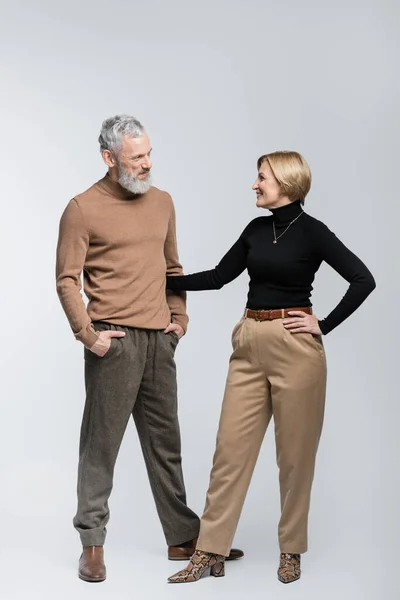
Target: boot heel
(218, 570)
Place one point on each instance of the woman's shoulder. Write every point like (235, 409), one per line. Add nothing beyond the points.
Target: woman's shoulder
(314, 224)
(257, 223)
(318, 232)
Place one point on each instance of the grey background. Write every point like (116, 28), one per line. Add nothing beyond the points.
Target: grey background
(217, 84)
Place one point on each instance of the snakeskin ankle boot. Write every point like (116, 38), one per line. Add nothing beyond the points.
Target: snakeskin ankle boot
(199, 564)
(289, 568)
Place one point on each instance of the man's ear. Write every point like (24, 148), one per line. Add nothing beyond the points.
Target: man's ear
(108, 158)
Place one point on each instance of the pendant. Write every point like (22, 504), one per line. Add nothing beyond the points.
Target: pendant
(274, 241)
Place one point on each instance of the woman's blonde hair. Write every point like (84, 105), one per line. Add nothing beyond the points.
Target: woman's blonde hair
(291, 171)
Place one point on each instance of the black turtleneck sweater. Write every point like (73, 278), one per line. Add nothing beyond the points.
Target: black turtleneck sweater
(281, 274)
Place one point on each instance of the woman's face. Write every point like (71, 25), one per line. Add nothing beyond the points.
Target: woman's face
(268, 189)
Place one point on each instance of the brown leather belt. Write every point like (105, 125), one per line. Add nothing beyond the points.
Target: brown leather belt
(276, 313)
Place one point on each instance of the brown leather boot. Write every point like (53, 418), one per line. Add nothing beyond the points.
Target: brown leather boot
(184, 551)
(91, 564)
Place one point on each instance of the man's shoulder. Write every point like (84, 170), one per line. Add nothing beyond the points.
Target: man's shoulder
(89, 195)
(161, 196)
(160, 193)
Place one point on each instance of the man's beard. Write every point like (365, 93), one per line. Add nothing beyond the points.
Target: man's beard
(132, 183)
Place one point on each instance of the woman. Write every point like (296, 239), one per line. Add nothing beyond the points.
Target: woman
(278, 365)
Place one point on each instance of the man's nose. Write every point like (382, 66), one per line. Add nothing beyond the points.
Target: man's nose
(147, 164)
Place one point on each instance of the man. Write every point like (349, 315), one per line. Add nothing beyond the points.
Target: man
(121, 234)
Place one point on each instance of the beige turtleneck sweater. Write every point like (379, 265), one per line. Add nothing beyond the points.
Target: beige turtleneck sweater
(125, 245)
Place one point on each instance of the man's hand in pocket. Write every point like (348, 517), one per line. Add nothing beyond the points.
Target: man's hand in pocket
(102, 346)
(176, 329)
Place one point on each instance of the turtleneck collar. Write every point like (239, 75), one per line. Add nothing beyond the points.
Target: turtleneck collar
(284, 214)
(115, 189)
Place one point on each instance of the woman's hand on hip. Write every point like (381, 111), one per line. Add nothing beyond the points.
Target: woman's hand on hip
(302, 323)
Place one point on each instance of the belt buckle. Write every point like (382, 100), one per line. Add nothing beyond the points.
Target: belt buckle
(265, 318)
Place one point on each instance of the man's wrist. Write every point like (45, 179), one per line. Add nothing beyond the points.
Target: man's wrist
(87, 335)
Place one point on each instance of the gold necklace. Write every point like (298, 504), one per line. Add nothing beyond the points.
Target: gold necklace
(285, 230)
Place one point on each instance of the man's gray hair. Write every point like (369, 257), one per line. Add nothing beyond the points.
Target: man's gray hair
(115, 128)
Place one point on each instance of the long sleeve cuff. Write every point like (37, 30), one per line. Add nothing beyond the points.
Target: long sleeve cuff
(88, 336)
